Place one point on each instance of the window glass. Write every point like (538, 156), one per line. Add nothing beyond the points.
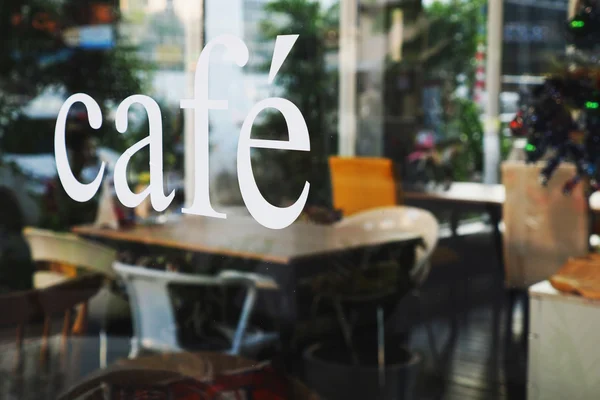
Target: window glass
(328, 197)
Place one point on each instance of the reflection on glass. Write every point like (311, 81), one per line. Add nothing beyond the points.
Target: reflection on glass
(392, 93)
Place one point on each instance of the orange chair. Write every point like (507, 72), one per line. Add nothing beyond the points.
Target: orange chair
(361, 183)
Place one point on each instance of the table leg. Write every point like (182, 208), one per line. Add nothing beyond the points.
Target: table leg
(454, 220)
(495, 214)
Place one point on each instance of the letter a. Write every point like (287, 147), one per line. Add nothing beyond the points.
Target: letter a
(156, 190)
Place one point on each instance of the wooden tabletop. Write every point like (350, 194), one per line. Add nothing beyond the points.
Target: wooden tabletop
(477, 193)
(463, 192)
(242, 236)
(545, 289)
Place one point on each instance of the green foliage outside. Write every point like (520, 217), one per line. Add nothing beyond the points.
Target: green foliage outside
(466, 120)
(29, 64)
(33, 60)
(455, 35)
(306, 81)
(172, 133)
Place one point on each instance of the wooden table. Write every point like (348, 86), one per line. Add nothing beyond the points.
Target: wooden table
(289, 255)
(243, 237)
(463, 192)
(476, 194)
(468, 195)
(463, 195)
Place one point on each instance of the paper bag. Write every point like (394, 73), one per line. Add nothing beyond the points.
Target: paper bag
(142, 211)
(107, 216)
(543, 226)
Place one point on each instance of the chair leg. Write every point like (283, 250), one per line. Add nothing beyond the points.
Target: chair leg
(243, 322)
(104, 335)
(429, 328)
(454, 222)
(381, 346)
(44, 349)
(103, 348)
(19, 345)
(346, 329)
(80, 325)
(135, 348)
(512, 301)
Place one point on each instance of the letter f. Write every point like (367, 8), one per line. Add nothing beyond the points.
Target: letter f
(201, 105)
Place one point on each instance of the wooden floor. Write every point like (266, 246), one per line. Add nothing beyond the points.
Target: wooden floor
(482, 353)
(465, 304)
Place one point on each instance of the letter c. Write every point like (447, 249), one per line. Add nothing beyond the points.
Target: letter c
(78, 191)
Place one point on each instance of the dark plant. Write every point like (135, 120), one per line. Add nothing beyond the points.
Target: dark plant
(36, 56)
(454, 35)
(311, 85)
(465, 119)
(562, 119)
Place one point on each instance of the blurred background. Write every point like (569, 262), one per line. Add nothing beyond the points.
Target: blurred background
(416, 75)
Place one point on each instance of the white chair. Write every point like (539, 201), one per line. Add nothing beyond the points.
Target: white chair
(69, 249)
(407, 219)
(402, 218)
(154, 323)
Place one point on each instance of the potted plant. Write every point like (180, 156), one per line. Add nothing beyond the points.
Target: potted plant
(366, 363)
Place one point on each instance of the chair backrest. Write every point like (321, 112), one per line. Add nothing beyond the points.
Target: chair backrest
(154, 322)
(69, 249)
(361, 183)
(20, 308)
(404, 218)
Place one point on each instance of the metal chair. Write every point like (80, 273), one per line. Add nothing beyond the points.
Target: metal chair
(154, 322)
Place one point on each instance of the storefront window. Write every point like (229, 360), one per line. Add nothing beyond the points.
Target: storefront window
(298, 199)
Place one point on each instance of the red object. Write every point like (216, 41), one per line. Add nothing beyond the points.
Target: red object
(102, 14)
(40, 21)
(122, 217)
(417, 155)
(260, 384)
(425, 141)
(516, 125)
